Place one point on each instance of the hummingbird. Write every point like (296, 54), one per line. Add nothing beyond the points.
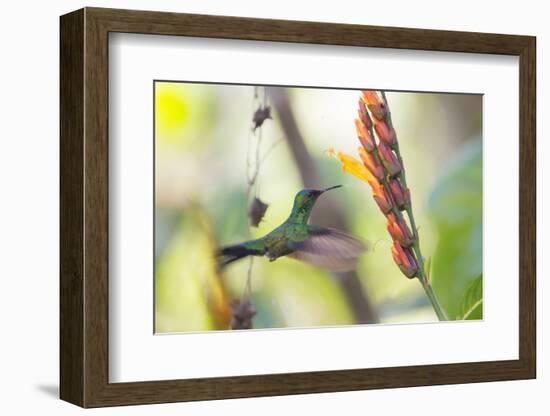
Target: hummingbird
(324, 247)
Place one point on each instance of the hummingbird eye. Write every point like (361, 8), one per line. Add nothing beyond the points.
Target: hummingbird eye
(315, 192)
(311, 192)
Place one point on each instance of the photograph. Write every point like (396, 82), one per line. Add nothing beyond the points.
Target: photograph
(299, 207)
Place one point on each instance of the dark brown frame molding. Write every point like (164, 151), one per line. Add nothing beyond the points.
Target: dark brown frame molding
(84, 207)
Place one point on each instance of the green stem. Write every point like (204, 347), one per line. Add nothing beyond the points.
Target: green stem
(439, 311)
(422, 276)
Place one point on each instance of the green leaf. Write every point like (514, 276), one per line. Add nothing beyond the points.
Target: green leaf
(472, 302)
(455, 205)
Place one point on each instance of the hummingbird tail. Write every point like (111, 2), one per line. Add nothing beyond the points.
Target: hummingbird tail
(230, 254)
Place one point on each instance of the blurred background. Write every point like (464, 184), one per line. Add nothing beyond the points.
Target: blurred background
(203, 139)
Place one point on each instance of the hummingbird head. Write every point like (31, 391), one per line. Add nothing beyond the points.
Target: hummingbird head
(305, 200)
(308, 194)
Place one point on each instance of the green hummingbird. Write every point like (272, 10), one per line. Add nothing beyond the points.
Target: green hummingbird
(323, 247)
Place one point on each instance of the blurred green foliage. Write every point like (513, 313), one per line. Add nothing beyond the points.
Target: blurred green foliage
(190, 297)
(456, 208)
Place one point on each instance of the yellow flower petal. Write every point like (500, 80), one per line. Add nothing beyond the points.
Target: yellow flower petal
(353, 166)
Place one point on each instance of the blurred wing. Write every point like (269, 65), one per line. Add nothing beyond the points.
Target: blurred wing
(329, 248)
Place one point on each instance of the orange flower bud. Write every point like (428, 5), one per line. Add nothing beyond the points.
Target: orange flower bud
(379, 111)
(389, 160)
(371, 97)
(405, 260)
(364, 136)
(372, 164)
(399, 230)
(385, 133)
(401, 195)
(364, 115)
(375, 104)
(382, 198)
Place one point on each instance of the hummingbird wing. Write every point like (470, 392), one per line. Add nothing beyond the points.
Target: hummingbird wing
(328, 248)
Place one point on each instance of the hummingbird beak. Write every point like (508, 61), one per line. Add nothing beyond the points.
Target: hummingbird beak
(332, 187)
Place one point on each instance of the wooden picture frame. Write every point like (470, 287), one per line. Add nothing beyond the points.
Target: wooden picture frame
(84, 207)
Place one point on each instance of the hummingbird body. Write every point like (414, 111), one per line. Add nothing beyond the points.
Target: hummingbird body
(296, 238)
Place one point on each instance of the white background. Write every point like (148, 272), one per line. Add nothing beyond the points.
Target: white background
(136, 355)
(29, 210)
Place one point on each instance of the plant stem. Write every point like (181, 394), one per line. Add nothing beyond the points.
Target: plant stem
(422, 276)
(439, 311)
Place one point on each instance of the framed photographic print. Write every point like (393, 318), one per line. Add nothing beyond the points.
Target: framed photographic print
(260, 207)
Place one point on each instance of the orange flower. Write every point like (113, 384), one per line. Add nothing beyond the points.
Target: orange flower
(404, 259)
(401, 195)
(385, 133)
(399, 230)
(364, 115)
(389, 160)
(372, 164)
(375, 104)
(371, 97)
(382, 198)
(364, 136)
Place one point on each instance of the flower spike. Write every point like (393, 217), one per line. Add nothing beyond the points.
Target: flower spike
(383, 169)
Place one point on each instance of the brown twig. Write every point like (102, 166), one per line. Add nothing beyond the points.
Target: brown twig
(243, 310)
